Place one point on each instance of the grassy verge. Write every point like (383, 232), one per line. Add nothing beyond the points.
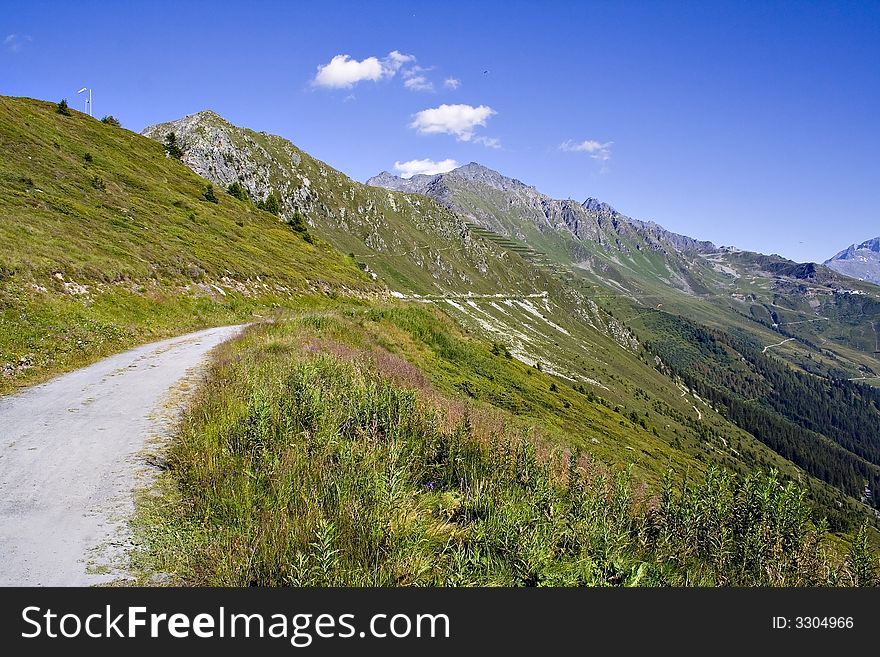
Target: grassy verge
(313, 455)
(106, 243)
(43, 334)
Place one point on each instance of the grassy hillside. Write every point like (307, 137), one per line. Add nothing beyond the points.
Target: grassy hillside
(332, 449)
(106, 242)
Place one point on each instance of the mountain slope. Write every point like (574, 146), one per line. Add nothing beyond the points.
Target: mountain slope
(722, 287)
(370, 470)
(859, 261)
(415, 244)
(106, 243)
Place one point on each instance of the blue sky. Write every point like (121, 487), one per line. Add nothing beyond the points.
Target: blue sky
(754, 124)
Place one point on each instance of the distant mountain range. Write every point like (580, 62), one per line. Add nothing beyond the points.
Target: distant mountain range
(861, 261)
(472, 187)
(563, 226)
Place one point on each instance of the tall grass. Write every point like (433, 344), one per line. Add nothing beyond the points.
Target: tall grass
(308, 464)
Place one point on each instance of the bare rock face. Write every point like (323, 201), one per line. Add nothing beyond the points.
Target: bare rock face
(216, 152)
(860, 261)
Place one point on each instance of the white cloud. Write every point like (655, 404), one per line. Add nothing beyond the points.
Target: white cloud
(343, 72)
(15, 42)
(397, 59)
(488, 142)
(418, 83)
(411, 168)
(414, 78)
(597, 150)
(457, 120)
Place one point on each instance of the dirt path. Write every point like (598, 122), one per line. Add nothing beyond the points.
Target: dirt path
(778, 344)
(70, 459)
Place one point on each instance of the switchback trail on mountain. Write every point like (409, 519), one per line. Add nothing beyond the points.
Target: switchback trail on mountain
(71, 456)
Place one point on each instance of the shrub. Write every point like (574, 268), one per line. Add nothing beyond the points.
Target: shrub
(308, 237)
(272, 204)
(111, 120)
(861, 562)
(172, 148)
(236, 190)
(741, 531)
(88, 157)
(62, 107)
(209, 194)
(499, 349)
(298, 222)
(98, 183)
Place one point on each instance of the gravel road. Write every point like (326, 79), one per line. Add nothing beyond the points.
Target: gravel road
(71, 454)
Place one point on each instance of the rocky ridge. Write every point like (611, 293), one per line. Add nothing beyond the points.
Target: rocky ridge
(592, 220)
(860, 261)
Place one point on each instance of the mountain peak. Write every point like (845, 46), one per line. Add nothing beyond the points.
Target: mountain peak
(596, 205)
(379, 178)
(871, 245)
(206, 117)
(584, 220)
(861, 261)
(413, 184)
(475, 167)
(472, 172)
(207, 114)
(479, 173)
